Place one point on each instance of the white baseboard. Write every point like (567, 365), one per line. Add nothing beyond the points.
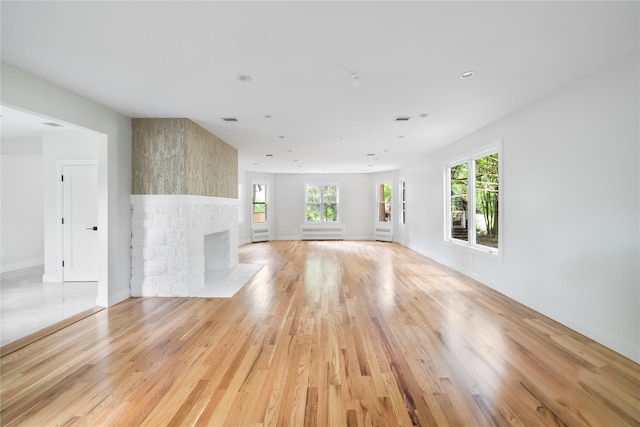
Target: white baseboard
(21, 264)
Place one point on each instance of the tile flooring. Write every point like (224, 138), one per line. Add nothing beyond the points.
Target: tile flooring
(28, 305)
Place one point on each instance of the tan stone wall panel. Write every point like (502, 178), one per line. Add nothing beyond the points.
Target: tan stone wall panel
(176, 156)
(158, 156)
(213, 164)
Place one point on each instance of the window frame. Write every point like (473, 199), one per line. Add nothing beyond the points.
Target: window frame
(378, 202)
(321, 185)
(470, 158)
(252, 202)
(402, 198)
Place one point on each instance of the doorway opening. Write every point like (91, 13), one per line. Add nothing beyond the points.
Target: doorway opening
(59, 143)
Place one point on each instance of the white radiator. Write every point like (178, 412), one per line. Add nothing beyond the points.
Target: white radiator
(384, 233)
(260, 233)
(322, 232)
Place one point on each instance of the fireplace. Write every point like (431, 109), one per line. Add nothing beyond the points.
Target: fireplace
(175, 238)
(216, 251)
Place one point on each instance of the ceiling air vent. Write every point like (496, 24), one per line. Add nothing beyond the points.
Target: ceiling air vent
(229, 119)
(402, 118)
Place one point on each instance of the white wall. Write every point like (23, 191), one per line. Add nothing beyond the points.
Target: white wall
(244, 221)
(24, 91)
(570, 207)
(356, 199)
(58, 148)
(22, 238)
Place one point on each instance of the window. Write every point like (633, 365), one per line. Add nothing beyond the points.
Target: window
(473, 195)
(383, 191)
(259, 202)
(403, 202)
(321, 202)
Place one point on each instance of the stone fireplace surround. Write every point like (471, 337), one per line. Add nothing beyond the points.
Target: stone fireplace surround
(168, 242)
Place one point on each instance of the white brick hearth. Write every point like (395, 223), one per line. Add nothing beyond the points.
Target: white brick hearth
(168, 243)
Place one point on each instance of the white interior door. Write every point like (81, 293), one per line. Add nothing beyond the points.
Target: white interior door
(80, 223)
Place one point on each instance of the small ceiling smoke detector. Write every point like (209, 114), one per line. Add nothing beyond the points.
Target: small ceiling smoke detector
(467, 74)
(244, 78)
(229, 119)
(402, 118)
(355, 79)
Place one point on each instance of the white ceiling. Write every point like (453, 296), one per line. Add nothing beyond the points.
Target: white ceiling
(182, 59)
(20, 124)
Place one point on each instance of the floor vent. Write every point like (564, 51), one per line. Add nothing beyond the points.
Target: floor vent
(260, 233)
(322, 232)
(384, 234)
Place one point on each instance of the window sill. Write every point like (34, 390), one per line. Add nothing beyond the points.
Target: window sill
(485, 251)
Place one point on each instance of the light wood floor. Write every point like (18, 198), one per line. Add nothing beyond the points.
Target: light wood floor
(328, 333)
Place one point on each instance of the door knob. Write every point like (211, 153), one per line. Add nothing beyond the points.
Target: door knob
(92, 228)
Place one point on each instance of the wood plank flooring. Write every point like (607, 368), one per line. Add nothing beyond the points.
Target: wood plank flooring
(327, 333)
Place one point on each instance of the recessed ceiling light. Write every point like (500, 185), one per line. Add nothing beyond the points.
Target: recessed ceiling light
(268, 155)
(400, 136)
(467, 74)
(281, 136)
(229, 119)
(268, 116)
(402, 118)
(244, 78)
(423, 115)
(370, 155)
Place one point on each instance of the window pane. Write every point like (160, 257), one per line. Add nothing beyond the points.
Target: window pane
(330, 193)
(313, 194)
(330, 212)
(259, 212)
(487, 200)
(459, 201)
(259, 193)
(384, 202)
(313, 212)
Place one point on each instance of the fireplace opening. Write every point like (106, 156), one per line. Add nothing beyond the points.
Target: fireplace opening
(217, 255)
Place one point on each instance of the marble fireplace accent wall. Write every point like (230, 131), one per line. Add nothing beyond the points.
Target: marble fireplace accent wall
(177, 156)
(168, 241)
